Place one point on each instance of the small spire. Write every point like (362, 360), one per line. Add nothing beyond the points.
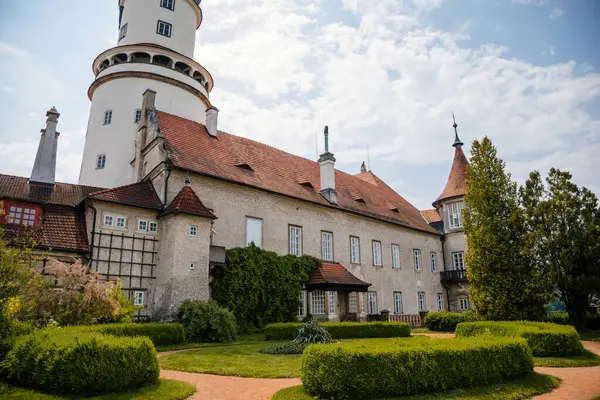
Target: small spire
(457, 142)
(326, 139)
(363, 168)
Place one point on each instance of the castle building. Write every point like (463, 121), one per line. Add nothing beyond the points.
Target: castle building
(163, 194)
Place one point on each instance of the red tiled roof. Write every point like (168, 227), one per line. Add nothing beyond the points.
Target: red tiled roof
(457, 180)
(18, 188)
(187, 202)
(191, 148)
(431, 215)
(335, 274)
(140, 194)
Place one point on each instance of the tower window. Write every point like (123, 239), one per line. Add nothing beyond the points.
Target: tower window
(123, 32)
(107, 117)
(138, 116)
(170, 4)
(101, 161)
(164, 28)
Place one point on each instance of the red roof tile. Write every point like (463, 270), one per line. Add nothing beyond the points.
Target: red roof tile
(335, 274)
(457, 180)
(140, 194)
(187, 202)
(18, 188)
(431, 215)
(191, 148)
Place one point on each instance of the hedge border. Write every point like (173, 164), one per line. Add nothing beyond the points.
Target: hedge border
(341, 330)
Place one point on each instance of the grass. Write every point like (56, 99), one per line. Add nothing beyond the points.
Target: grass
(587, 359)
(165, 389)
(238, 359)
(423, 330)
(524, 388)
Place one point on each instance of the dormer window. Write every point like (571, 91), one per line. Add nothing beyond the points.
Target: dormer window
(20, 215)
(245, 166)
(359, 200)
(395, 209)
(307, 184)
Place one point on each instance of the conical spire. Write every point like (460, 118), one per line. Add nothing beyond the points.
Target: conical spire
(457, 180)
(457, 142)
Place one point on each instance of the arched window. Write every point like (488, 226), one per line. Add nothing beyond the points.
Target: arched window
(103, 65)
(162, 61)
(182, 67)
(119, 59)
(140, 57)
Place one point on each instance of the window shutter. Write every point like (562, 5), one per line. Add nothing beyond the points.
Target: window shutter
(254, 231)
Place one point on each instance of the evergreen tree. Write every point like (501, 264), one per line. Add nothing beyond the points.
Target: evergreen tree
(563, 223)
(503, 284)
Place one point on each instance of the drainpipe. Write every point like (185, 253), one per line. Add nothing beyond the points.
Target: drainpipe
(444, 262)
(93, 232)
(168, 168)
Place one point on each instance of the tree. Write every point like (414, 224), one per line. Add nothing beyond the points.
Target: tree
(564, 237)
(503, 285)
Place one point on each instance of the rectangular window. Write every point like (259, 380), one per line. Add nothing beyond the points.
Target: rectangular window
(21, 215)
(137, 116)
(372, 302)
(417, 257)
(458, 260)
(398, 303)
(254, 231)
(138, 298)
(377, 253)
(295, 234)
(363, 303)
(164, 28)
(352, 306)
(421, 301)
(193, 230)
(120, 222)
(317, 302)
(101, 161)
(107, 117)
(455, 214)
(354, 250)
(152, 227)
(433, 262)
(327, 246)
(142, 226)
(440, 301)
(463, 304)
(108, 220)
(302, 306)
(395, 256)
(170, 4)
(332, 302)
(123, 32)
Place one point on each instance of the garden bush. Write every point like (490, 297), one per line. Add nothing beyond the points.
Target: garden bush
(545, 339)
(205, 321)
(159, 333)
(341, 330)
(445, 321)
(75, 361)
(311, 333)
(368, 369)
(557, 317)
(283, 348)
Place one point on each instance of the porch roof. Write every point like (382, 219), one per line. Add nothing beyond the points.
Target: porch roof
(333, 276)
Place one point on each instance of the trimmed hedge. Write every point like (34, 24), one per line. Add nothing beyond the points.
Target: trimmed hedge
(71, 360)
(545, 339)
(368, 369)
(160, 334)
(446, 321)
(341, 330)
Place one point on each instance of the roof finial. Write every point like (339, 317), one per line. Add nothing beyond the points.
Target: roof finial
(457, 142)
(188, 181)
(363, 168)
(326, 139)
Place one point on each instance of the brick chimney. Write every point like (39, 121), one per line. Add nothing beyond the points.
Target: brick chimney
(44, 168)
(327, 172)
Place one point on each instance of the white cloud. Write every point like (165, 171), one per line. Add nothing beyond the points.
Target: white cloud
(12, 50)
(556, 13)
(6, 89)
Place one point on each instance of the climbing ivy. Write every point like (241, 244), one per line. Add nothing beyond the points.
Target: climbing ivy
(261, 287)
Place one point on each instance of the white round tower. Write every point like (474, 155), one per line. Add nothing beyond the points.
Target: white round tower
(155, 50)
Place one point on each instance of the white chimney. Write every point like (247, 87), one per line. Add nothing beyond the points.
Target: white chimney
(212, 115)
(44, 168)
(327, 172)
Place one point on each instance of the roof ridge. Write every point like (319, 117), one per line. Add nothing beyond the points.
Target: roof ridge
(56, 183)
(117, 188)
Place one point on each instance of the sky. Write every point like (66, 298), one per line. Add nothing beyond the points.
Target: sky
(384, 75)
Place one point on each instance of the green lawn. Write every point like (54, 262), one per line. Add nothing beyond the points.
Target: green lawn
(587, 359)
(238, 359)
(424, 330)
(523, 388)
(165, 389)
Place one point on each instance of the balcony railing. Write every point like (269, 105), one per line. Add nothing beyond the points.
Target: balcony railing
(455, 276)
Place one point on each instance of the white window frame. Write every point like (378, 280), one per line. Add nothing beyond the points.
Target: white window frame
(164, 28)
(317, 302)
(168, 4)
(458, 260)
(455, 214)
(463, 304)
(193, 230)
(123, 32)
(295, 240)
(395, 256)
(327, 246)
(440, 301)
(354, 250)
(398, 307)
(249, 222)
(417, 259)
(353, 302)
(142, 225)
(377, 259)
(109, 220)
(137, 116)
(152, 227)
(422, 301)
(433, 261)
(120, 222)
(107, 117)
(20, 215)
(332, 302)
(100, 161)
(138, 297)
(302, 305)
(372, 302)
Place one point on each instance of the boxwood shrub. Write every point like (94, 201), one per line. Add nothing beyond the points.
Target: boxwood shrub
(341, 330)
(445, 321)
(160, 334)
(545, 339)
(382, 368)
(71, 360)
